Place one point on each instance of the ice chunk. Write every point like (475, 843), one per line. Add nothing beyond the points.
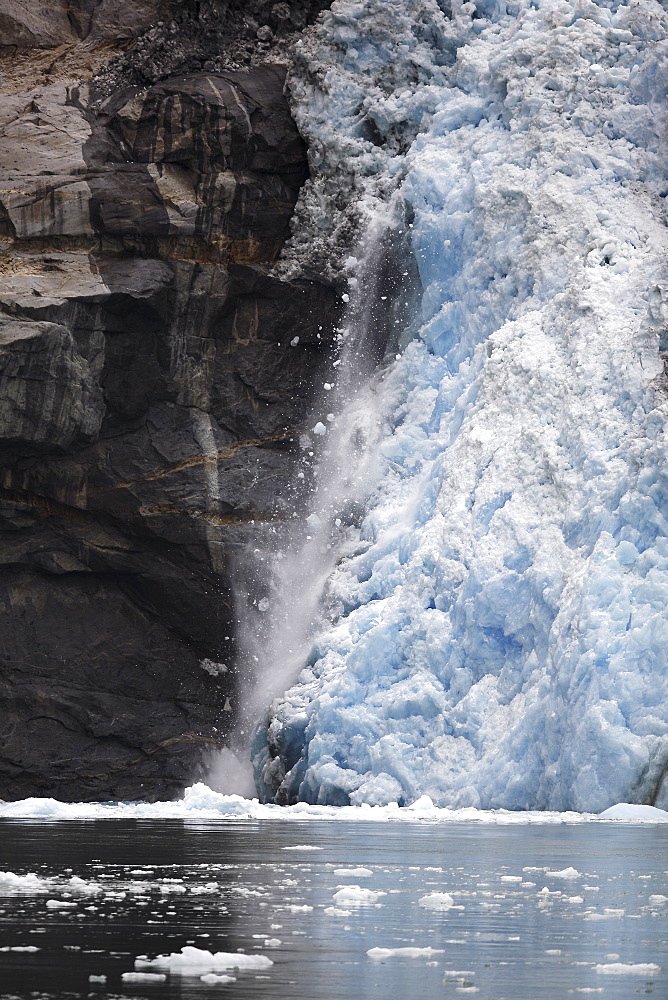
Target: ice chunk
(353, 872)
(436, 901)
(193, 961)
(628, 969)
(565, 873)
(302, 847)
(143, 977)
(212, 979)
(378, 954)
(633, 813)
(87, 888)
(21, 883)
(355, 895)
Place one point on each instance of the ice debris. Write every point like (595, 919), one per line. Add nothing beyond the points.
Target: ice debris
(194, 961)
(378, 954)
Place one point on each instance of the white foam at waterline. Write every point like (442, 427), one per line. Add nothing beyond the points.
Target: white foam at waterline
(193, 961)
(378, 954)
(201, 802)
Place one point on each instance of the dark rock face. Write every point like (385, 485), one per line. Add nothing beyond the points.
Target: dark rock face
(150, 401)
(58, 22)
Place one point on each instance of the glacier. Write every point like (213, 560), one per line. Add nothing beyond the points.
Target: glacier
(498, 635)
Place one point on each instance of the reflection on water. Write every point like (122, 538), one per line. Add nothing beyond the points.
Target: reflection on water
(514, 931)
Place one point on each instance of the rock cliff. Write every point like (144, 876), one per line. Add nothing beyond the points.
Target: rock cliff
(151, 387)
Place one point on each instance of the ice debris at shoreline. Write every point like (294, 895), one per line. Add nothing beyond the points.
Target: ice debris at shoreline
(201, 803)
(499, 635)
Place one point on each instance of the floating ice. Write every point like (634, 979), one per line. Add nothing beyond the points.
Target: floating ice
(436, 901)
(378, 954)
(201, 802)
(354, 895)
(215, 980)
(635, 813)
(353, 872)
(565, 873)
(143, 977)
(631, 969)
(302, 847)
(21, 883)
(194, 961)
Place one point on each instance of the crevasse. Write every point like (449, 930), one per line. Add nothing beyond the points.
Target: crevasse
(501, 633)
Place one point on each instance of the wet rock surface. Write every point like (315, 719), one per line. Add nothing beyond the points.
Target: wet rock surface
(150, 396)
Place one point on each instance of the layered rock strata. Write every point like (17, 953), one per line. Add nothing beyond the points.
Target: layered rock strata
(154, 378)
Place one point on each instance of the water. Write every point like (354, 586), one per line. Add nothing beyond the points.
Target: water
(506, 940)
(281, 584)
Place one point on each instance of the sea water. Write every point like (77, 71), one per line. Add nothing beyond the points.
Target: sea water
(330, 909)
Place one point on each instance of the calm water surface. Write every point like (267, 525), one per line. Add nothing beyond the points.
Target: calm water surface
(244, 883)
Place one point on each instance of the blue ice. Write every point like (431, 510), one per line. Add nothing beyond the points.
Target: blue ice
(501, 635)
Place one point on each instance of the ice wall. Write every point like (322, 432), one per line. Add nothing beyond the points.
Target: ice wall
(500, 635)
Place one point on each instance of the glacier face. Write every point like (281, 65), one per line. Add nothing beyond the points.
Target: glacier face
(501, 635)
